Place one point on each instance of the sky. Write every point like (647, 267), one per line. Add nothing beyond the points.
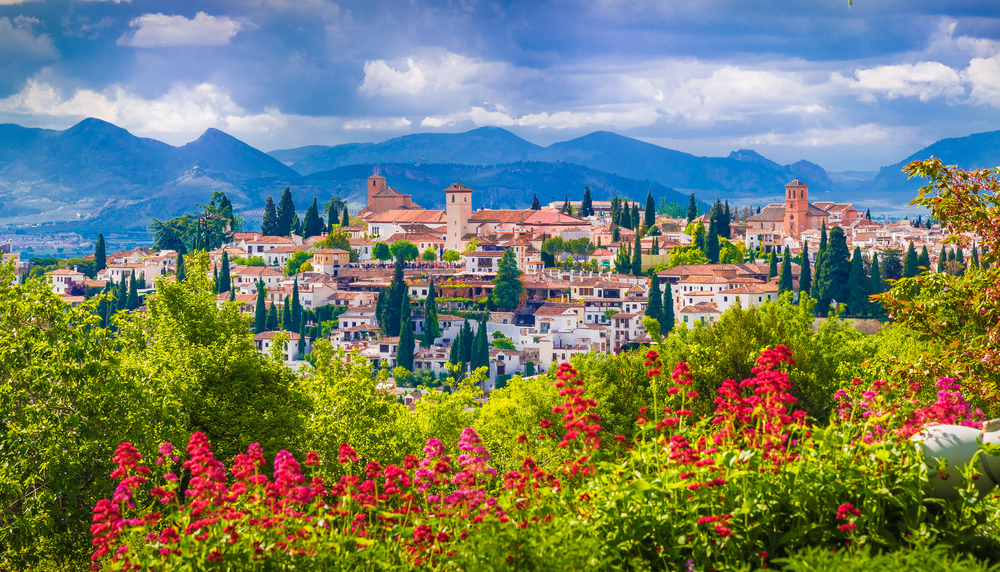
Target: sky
(847, 87)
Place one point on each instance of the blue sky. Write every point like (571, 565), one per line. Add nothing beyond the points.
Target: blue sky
(850, 88)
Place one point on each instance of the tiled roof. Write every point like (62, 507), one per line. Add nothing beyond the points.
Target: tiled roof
(701, 308)
(390, 192)
(271, 335)
(271, 240)
(288, 248)
(796, 183)
(500, 216)
(458, 188)
(556, 309)
(403, 215)
(770, 213)
(331, 251)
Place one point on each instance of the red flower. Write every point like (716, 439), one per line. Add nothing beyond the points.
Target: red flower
(847, 527)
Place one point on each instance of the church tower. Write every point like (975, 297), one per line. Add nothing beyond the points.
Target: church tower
(375, 184)
(458, 199)
(796, 207)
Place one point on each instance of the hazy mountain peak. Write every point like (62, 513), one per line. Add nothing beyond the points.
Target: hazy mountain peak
(751, 156)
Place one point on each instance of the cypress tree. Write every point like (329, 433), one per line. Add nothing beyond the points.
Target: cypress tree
(805, 272)
(181, 274)
(296, 225)
(133, 293)
(287, 319)
(535, 204)
(712, 242)
(269, 226)
(103, 307)
(654, 304)
(833, 274)
(432, 327)
(346, 220)
(637, 257)
(975, 256)
(650, 213)
(296, 307)
(465, 352)
(819, 260)
(727, 219)
(785, 281)
(121, 295)
(394, 300)
(215, 279)
(260, 311)
(868, 214)
(616, 235)
(479, 346)
(875, 286)
(910, 262)
(923, 261)
(667, 324)
(567, 208)
(332, 216)
(655, 249)
(302, 339)
(960, 256)
(286, 212)
(858, 284)
(100, 254)
(942, 258)
(455, 355)
(699, 238)
(772, 269)
(225, 281)
(586, 205)
(405, 309)
(404, 352)
(951, 255)
(692, 208)
(312, 226)
(272, 322)
(635, 217)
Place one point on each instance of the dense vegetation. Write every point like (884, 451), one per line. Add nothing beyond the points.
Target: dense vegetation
(168, 441)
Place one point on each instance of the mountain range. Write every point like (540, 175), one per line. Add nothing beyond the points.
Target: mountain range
(96, 176)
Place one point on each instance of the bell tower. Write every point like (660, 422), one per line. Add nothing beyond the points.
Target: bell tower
(376, 183)
(796, 207)
(458, 207)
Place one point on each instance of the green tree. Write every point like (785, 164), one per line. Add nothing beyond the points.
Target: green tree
(667, 323)
(772, 267)
(225, 279)
(635, 217)
(380, 305)
(294, 264)
(535, 205)
(451, 256)
(346, 220)
(650, 213)
(910, 262)
(287, 318)
(623, 259)
(507, 285)
(700, 238)
(312, 225)
(654, 306)
(273, 322)
(692, 212)
(615, 233)
(296, 225)
(686, 256)
(923, 261)
(467, 337)
(381, 251)
(332, 213)
(637, 257)
(133, 293)
(819, 259)
(833, 275)
(875, 286)
(181, 272)
(394, 300)
(942, 258)
(296, 308)
(100, 254)
(269, 226)
(404, 353)
(455, 352)
(712, 243)
(404, 250)
(974, 258)
(429, 255)
(785, 281)
(286, 213)
(260, 310)
(302, 340)
(432, 326)
(858, 284)
(480, 348)
(567, 208)
(586, 205)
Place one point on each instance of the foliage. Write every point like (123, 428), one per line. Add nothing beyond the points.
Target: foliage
(286, 213)
(507, 284)
(429, 254)
(404, 250)
(685, 255)
(205, 229)
(293, 264)
(451, 256)
(250, 261)
(381, 251)
(336, 239)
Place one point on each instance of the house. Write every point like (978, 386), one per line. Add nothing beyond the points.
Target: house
(63, 279)
(329, 260)
(797, 214)
(279, 255)
(382, 198)
(265, 340)
(625, 327)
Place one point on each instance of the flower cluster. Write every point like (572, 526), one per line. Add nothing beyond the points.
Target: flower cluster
(847, 511)
(577, 418)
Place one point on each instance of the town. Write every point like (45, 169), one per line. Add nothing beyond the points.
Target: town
(521, 291)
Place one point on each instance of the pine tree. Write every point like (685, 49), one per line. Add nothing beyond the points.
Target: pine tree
(133, 293)
(567, 208)
(535, 204)
(834, 272)
(100, 254)
(772, 268)
(910, 262)
(923, 261)
(296, 308)
(346, 221)
(432, 327)
(637, 257)
(260, 311)
(712, 243)
(467, 338)
(181, 274)
(507, 285)
(942, 258)
(616, 235)
(225, 280)
(269, 226)
(586, 205)
(858, 284)
(312, 225)
(272, 323)
(404, 352)
(805, 272)
(296, 225)
(287, 319)
(286, 212)
(785, 281)
(692, 208)
(635, 217)
(667, 324)
(654, 303)
(332, 216)
(394, 301)
(650, 213)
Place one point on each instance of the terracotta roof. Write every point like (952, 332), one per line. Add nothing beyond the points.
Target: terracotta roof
(270, 336)
(390, 192)
(402, 215)
(288, 248)
(624, 315)
(555, 309)
(331, 251)
(768, 288)
(458, 188)
(500, 216)
(701, 308)
(66, 272)
(770, 213)
(550, 217)
(238, 236)
(796, 183)
(271, 240)
(256, 271)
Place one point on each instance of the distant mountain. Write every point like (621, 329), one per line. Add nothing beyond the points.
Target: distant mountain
(291, 156)
(509, 185)
(483, 146)
(976, 151)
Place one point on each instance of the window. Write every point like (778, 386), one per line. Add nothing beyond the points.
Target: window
(685, 319)
(725, 298)
(453, 198)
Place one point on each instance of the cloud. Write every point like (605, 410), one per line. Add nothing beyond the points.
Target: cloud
(18, 38)
(115, 1)
(614, 116)
(378, 124)
(13, 2)
(82, 27)
(983, 77)
(866, 134)
(160, 30)
(924, 80)
(445, 71)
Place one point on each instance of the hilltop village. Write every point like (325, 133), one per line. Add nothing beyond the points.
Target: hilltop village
(521, 290)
